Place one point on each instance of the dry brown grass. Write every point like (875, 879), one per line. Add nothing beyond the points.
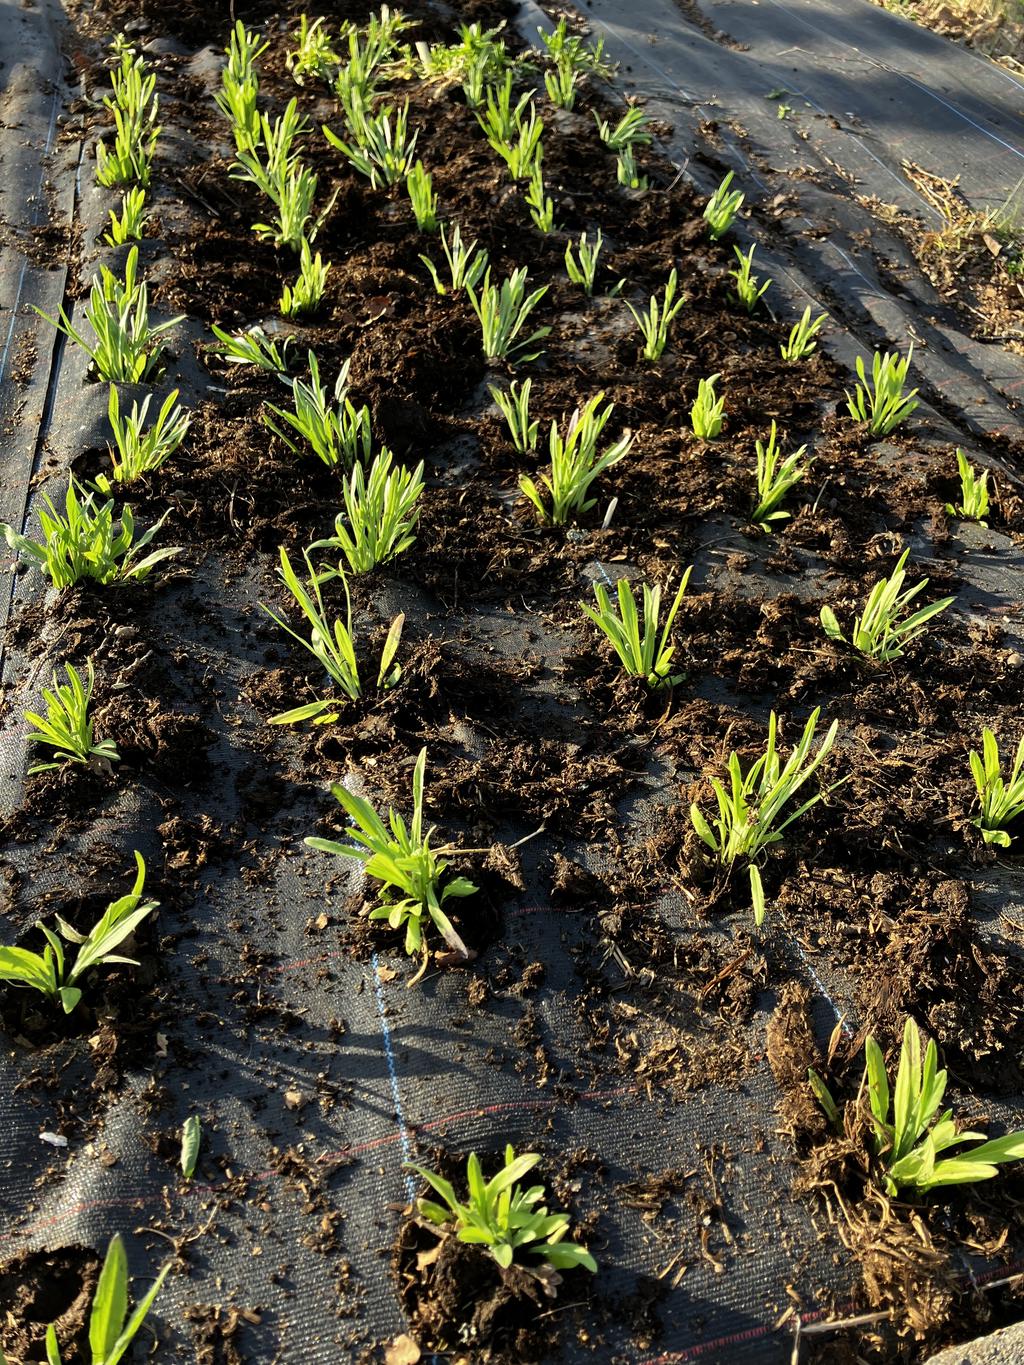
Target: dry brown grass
(995, 27)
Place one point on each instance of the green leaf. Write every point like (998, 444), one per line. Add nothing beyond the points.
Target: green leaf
(110, 1303)
(137, 1318)
(191, 1134)
(52, 1348)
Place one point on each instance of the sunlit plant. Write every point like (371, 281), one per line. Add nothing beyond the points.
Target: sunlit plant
(240, 85)
(252, 347)
(307, 293)
(111, 1330)
(581, 262)
(381, 149)
(271, 163)
(380, 516)
(420, 186)
(750, 809)
(82, 543)
(134, 106)
(1002, 801)
(313, 54)
(642, 652)
(414, 888)
(630, 131)
(540, 204)
(514, 403)
(337, 431)
(654, 324)
(626, 171)
(887, 626)
(576, 463)
(67, 727)
(882, 403)
(129, 224)
(499, 118)
(801, 340)
(707, 411)
(502, 313)
(138, 450)
(749, 288)
(503, 1217)
(52, 974)
(126, 347)
(722, 208)
(910, 1133)
(974, 499)
(332, 644)
(523, 148)
(775, 477)
(466, 265)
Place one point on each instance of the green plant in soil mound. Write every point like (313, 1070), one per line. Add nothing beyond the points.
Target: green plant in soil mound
(411, 872)
(750, 808)
(50, 972)
(909, 1134)
(111, 1331)
(502, 1216)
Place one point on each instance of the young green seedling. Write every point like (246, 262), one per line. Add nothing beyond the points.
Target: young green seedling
(499, 118)
(707, 412)
(237, 96)
(381, 150)
(627, 172)
(313, 54)
(82, 544)
(774, 480)
(541, 206)
(338, 432)
(332, 645)
(136, 451)
(750, 811)
(307, 293)
(748, 287)
(630, 131)
(515, 407)
(126, 348)
(1001, 802)
(271, 164)
(801, 340)
(882, 404)
(568, 50)
(974, 501)
(655, 323)
(581, 265)
(67, 727)
(886, 626)
(381, 513)
(502, 314)
(464, 268)
(252, 347)
(111, 1331)
(643, 655)
(722, 208)
(134, 106)
(49, 971)
(910, 1134)
(503, 1217)
(575, 463)
(412, 873)
(129, 226)
(419, 184)
(521, 151)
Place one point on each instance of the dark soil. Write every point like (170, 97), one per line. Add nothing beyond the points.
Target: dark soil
(531, 730)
